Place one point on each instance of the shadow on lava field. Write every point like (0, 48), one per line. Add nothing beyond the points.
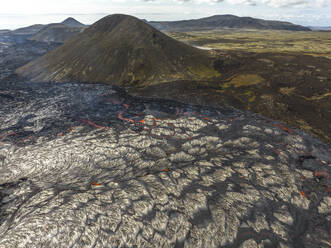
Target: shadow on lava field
(290, 87)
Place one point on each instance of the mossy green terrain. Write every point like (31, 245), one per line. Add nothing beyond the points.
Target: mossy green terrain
(309, 43)
(280, 74)
(243, 80)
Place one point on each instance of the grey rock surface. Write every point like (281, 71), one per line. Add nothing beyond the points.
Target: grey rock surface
(85, 166)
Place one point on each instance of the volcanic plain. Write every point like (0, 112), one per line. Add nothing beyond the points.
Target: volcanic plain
(169, 164)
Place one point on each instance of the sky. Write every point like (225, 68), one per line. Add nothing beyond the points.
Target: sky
(20, 13)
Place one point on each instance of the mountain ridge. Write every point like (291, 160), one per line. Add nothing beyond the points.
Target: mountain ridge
(29, 30)
(226, 21)
(35, 28)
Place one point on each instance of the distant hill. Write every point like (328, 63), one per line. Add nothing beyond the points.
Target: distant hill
(71, 22)
(30, 30)
(225, 21)
(320, 28)
(49, 31)
(4, 31)
(121, 50)
(56, 32)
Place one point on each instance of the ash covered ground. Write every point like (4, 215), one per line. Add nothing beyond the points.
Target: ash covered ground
(85, 165)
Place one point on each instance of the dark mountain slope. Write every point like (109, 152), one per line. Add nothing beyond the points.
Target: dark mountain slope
(121, 50)
(227, 21)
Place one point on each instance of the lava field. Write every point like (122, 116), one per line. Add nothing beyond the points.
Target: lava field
(86, 165)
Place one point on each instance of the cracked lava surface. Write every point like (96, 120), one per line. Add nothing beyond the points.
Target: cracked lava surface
(89, 166)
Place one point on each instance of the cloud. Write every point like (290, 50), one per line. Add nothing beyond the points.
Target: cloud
(270, 3)
(246, 2)
(285, 3)
(189, 1)
(323, 3)
(312, 12)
